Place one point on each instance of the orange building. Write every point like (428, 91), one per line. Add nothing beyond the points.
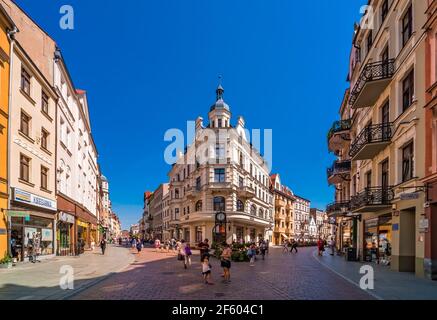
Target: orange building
(6, 25)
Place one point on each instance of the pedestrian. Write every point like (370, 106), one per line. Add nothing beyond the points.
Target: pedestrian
(320, 246)
(332, 246)
(285, 246)
(188, 255)
(103, 245)
(204, 249)
(134, 243)
(226, 263)
(252, 254)
(294, 246)
(93, 244)
(157, 245)
(206, 270)
(182, 254)
(262, 249)
(139, 246)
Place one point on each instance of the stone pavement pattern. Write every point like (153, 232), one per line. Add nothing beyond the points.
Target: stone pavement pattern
(41, 280)
(388, 285)
(281, 276)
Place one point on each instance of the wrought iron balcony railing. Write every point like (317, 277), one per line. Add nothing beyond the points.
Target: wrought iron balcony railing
(372, 71)
(372, 196)
(341, 206)
(339, 168)
(339, 126)
(372, 134)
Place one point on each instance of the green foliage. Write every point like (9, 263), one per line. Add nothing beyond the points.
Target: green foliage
(7, 259)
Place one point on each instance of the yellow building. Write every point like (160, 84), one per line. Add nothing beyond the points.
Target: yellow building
(284, 211)
(6, 24)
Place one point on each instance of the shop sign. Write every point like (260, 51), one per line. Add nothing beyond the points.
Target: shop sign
(82, 224)
(30, 198)
(409, 196)
(65, 217)
(3, 231)
(423, 224)
(18, 214)
(395, 227)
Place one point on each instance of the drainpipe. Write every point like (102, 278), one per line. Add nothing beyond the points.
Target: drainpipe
(11, 37)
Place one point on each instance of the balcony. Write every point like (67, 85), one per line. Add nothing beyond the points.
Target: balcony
(220, 187)
(339, 135)
(372, 199)
(371, 140)
(371, 83)
(192, 193)
(246, 192)
(336, 208)
(339, 172)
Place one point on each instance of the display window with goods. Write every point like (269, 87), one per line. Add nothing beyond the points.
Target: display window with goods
(23, 231)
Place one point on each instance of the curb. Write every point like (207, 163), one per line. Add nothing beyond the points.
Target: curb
(344, 277)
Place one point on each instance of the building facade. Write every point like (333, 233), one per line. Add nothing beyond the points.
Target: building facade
(430, 180)
(6, 27)
(77, 171)
(379, 141)
(220, 172)
(284, 211)
(156, 210)
(32, 157)
(301, 219)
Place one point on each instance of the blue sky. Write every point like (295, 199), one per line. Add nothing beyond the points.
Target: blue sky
(150, 65)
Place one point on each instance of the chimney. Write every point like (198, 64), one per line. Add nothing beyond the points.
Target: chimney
(199, 123)
(241, 121)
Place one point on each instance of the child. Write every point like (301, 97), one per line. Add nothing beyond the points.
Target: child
(206, 270)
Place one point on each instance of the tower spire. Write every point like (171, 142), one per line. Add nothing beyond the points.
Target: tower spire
(220, 89)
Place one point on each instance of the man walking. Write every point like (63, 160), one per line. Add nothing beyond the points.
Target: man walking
(103, 246)
(293, 246)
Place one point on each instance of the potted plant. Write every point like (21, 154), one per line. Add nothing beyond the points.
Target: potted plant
(6, 262)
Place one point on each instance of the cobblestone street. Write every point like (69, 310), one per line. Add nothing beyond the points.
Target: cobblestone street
(280, 277)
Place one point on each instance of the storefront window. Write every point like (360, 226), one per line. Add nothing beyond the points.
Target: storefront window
(385, 239)
(371, 240)
(22, 237)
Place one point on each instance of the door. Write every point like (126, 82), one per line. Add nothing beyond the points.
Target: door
(385, 117)
(385, 63)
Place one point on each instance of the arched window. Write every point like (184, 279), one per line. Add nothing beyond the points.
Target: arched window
(261, 213)
(199, 205)
(253, 210)
(219, 204)
(240, 206)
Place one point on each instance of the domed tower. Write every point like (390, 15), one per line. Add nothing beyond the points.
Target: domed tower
(219, 114)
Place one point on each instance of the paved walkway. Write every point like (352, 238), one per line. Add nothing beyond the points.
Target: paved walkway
(40, 281)
(388, 285)
(156, 276)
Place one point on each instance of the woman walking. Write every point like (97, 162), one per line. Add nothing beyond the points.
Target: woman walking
(252, 254)
(262, 249)
(188, 255)
(321, 246)
(226, 263)
(182, 255)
